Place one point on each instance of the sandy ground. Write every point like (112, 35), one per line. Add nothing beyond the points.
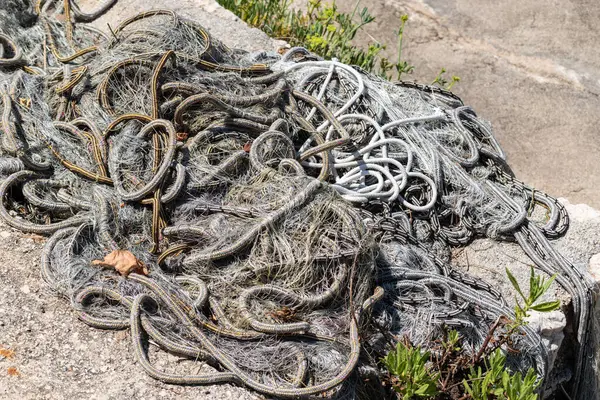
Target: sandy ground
(56, 356)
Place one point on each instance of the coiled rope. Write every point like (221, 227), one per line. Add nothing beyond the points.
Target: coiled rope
(283, 205)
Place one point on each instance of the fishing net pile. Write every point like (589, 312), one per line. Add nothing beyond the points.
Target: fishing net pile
(277, 218)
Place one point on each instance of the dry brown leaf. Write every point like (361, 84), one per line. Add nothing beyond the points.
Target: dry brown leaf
(7, 353)
(36, 238)
(12, 371)
(124, 262)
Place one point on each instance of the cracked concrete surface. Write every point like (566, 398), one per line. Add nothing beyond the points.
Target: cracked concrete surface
(531, 68)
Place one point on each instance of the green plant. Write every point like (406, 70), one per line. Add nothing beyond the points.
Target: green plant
(517, 387)
(452, 342)
(441, 80)
(322, 29)
(481, 376)
(402, 67)
(485, 382)
(495, 381)
(411, 378)
(538, 285)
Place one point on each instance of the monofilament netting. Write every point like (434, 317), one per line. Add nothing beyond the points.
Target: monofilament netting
(288, 215)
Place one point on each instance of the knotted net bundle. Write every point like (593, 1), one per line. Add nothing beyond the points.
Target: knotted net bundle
(287, 215)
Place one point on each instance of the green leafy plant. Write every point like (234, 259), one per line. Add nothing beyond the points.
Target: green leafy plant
(411, 378)
(322, 29)
(485, 382)
(402, 67)
(495, 381)
(441, 80)
(480, 376)
(538, 285)
(452, 342)
(517, 387)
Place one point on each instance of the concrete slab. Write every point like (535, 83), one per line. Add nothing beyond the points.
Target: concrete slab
(221, 23)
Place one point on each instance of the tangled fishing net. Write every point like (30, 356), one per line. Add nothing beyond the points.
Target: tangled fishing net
(277, 218)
